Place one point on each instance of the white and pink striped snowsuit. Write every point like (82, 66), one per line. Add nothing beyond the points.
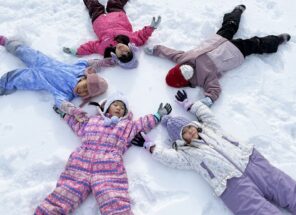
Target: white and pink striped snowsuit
(97, 166)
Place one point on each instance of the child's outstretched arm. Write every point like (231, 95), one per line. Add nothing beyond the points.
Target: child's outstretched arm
(84, 49)
(212, 86)
(97, 64)
(75, 117)
(169, 157)
(148, 122)
(173, 157)
(141, 36)
(199, 109)
(163, 51)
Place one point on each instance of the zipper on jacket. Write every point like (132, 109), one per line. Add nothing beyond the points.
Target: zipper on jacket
(225, 156)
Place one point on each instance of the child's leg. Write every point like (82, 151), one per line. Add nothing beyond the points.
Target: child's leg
(95, 8)
(243, 197)
(116, 5)
(19, 79)
(29, 56)
(72, 189)
(275, 184)
(110, 187)
(231, 22)
(6, 87)
(258, 45)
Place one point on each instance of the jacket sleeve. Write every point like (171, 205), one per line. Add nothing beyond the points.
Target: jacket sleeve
(77, 126)
(212, 86)
(145, 123)
(97, 64)
(170, 157)
(171, 54)
(88, 48)
(141, 36)
(205, 115)
(61, 98)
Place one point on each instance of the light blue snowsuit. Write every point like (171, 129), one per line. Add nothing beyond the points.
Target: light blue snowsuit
(42, 73)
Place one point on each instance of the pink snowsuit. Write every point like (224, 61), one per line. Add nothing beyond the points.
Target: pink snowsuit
(97, 166)
(109, 25)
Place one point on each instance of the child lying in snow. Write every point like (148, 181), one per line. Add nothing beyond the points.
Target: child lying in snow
(238, 173)
(116, 38)
(63, 81)
(202, 66)
(97, 165)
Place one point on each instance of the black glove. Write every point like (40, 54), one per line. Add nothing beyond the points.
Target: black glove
(58, 111)
(138, 140)
(182, 99)
(181, 95)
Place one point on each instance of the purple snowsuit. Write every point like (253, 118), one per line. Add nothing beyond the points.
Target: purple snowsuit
(238, 173)
(97, 166)
(260, 185)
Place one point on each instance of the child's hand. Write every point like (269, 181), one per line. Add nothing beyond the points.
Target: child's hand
(148, 50)
(80, 118)
(182, 99)
(58, 111)
(138, 140)
(71, 51)
(79, 114)
(207, 101)
(162, 111)
(142, 140)
(155, 23)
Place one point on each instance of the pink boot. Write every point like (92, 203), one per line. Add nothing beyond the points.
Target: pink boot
(2, 40)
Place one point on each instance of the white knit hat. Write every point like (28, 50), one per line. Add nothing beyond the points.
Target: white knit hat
(187, 71)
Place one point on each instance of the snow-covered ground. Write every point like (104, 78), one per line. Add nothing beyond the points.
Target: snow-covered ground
(258, 102)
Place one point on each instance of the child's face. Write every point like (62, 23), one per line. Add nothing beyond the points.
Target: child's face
(81, 88)
(189, 133)
(121, 50)
(117, 108)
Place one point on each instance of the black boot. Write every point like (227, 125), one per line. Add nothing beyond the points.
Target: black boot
(284, 38)
(240, 7)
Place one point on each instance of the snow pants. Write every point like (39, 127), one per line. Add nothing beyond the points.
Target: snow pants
(260, 185)
(23, 79)
(96, 9)
(254, 45)
(87, 171)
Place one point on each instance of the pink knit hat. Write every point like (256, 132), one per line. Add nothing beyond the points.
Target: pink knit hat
(96, 86)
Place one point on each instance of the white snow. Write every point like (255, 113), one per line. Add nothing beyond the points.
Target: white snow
(258, 102)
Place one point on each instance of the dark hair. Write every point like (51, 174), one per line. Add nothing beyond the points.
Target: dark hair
(119, 39)
(126, 58)
(103, 105)
(108, 50)
(122, 39)
(96, 104)
(175, 146)
(199, 130)
(125, 109)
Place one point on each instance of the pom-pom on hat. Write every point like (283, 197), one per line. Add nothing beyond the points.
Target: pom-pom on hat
(178, 76)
